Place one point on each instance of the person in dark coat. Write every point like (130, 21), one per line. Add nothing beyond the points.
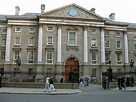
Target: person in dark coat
(51, 84)
(132, 81)
(119, 83)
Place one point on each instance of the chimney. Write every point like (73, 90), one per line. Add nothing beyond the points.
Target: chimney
(92, 10)
(42, 8)
(112, 16)
(17, 9)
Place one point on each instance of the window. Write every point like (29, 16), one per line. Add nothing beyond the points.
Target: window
(2, 55)
(50, 29)
(3, 41)
(4, 31)
(107, 44)
(16, 56)
(93, 31)
(106, 33)
(49, 57)
(49, 41)
(118, 44)
(94, 58)
(17, 41)
(118, 34)
(134, 37)
(94, 42)
(93, 72)
(30, 56)
(134, 46)
(72, 38)
(31, 30)
(118, 59)
(17, 29)
(31, 41)
(107, 57)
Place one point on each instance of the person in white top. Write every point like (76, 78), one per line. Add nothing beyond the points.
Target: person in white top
(47, 85)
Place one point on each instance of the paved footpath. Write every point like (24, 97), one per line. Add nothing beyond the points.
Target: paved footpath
(91, 88)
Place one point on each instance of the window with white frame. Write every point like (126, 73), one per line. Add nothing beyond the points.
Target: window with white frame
(93, 72)
(16, 56)
(2, 54)
(118, 58)
(134, 37)
(93, 31)
(107, 57)
(49, 57)
(72, 37)
(4, 30)
(31, 41)
(94, 58)
(31, 30)
(134, 46)
(30, 56)
(49, 41)
(94, 42)
(49, 28)
(17, 41)
(17, 29)
(107, 34)
(107, 44)
(118, 34)
(118, 45)
(3, 41)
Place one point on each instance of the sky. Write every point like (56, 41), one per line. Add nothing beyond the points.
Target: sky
(125, 10)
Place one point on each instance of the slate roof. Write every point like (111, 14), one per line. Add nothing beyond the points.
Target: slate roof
(34, 16)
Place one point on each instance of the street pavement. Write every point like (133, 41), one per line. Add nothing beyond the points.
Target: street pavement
(92, 88)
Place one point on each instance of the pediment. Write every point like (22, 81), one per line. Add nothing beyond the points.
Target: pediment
(71, 11)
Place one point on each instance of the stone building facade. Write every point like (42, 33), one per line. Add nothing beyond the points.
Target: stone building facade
(63, 40)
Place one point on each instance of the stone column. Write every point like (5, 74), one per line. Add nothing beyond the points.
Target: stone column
(6, 77)
(59, 46)
(102, 47)
(39, 76)
(85, 46)
(126, 47)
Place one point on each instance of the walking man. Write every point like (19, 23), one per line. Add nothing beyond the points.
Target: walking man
(51, 84)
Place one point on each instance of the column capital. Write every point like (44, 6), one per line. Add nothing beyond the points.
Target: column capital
(85, 27)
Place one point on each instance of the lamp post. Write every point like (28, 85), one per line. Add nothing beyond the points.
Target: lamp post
(110, 72)
(131, 64)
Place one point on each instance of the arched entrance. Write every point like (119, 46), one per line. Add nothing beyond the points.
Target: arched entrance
(72, 70)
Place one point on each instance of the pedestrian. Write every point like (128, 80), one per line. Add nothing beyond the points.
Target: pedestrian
(127, 81)
(131, 81)
(62, 79)
(51, 84)
(122, 82)
(47, 85)
(107, 83)
(0, 80)
(119, 83)
(81, 81)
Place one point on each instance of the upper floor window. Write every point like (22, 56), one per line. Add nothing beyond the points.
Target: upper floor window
(49, 41)
(93, 72)
(94, 58)
(3, 41)
(31, 30)
(31, 41)
(17, 41)
(107, 44)
(72, 38)
(50, 28)
(118, 45)
(118, 34)
(107, 57)
(17, 29)
(107, 34)
(4, 31)
(30, 56)
(94, 42)
(134, 37)
(118, 58)
(93, 31)
(49, 57)
(16, 56)
(2, 54)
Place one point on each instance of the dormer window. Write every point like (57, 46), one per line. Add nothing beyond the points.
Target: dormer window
(118, 34)
(31, 30)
